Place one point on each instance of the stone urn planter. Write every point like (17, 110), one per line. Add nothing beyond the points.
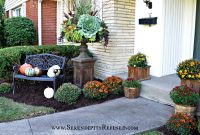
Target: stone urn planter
(131, 92)
(190, 110)
(139, 73)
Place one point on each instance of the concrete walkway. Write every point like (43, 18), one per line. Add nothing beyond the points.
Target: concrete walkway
(120, 116)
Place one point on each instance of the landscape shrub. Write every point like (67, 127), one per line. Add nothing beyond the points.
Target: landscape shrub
(95, 90)
(16, 55)
(114, 85)
(68, 93)
(19, 31)
(182, 124)
(5, 88)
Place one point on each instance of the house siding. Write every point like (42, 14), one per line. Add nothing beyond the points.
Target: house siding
(10, 4)
(49, 10)
(120, 18)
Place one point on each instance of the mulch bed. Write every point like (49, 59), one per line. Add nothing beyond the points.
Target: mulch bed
(31, 93)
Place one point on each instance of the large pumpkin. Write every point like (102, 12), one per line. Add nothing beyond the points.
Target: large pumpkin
(23, 68)
(29, 71)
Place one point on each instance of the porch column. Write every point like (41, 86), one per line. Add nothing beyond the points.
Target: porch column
(119, 16)
(39, 22)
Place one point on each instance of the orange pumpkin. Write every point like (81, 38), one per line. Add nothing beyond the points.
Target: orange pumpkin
(23, 68)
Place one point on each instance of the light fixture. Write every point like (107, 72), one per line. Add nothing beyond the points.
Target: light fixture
(148, 3)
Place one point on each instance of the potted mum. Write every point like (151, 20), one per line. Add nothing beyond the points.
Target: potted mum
(185, 99)
(138, 67)
(131, 88)
(182, 124)
(189, 73)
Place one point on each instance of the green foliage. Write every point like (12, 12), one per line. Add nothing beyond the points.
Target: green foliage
(182, 124)
(89, 26)
(82, 7)
(16, 55)
(5, 88)
(68, 93)
(138, 60)
(184, 95)
(199, 124)
(114, 85)
(151, 133)
(95, 90)
(189, 69)
(19, 31)
(11, 110)
(2, 40)
(131, 83)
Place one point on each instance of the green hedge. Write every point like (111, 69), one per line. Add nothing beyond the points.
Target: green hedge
(19, 31)
(16, 55)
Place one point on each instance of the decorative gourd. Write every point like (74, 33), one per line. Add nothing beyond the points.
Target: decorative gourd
(48, 92)
(29, 71)
(53, 71)
(23, 68)
(38, 71)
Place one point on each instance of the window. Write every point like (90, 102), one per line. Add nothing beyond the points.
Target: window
(17, 12)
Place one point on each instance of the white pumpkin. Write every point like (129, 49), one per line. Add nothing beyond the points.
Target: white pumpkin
(48, 92)
(54, 71)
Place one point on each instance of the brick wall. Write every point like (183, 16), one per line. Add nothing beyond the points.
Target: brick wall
(32, 12)
(119, 15)
(49, 10)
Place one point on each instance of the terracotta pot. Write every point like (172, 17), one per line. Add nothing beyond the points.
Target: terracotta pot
(139, 73)
(131, 92)
(194, 84)
(185, 109)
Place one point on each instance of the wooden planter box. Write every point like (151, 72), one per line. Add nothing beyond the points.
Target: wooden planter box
(139, 73)
(194, 84)
(185, 109)
(131, 92)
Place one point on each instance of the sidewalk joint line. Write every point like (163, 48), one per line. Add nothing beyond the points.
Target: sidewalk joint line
(30, 126)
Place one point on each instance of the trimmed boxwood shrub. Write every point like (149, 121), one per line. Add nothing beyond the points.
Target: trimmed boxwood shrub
(19, 31)
(67, 93)
(16, 55)
(5, 87)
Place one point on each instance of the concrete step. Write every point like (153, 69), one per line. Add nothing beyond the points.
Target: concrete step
(157, 88)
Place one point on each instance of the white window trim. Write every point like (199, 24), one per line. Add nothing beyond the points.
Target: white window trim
(15, 11)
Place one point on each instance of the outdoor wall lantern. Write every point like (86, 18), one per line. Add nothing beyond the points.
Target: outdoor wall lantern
(148, 3)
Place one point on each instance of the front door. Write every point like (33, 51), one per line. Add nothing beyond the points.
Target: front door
(197, 33)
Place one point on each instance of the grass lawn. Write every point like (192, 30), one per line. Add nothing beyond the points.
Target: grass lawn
(151, 133)
(10, 110)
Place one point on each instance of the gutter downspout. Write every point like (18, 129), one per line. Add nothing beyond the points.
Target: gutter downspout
(39, 22)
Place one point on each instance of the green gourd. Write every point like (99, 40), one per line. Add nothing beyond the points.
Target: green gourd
(29, 72)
